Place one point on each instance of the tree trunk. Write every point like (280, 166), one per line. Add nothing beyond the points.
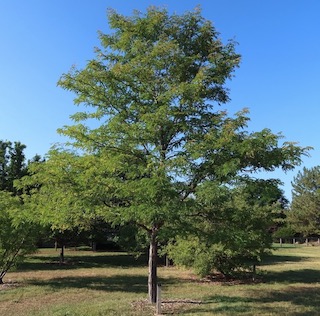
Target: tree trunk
(3, 272)
(168, 261)
(254, 272)
(152, 276)
(61, 255)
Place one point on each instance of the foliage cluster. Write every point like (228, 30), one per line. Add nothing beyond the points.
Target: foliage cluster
(231, 231)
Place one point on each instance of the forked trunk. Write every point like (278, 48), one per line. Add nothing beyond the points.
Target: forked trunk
(152, 276)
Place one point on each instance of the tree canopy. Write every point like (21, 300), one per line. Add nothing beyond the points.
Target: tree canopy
(153, 133)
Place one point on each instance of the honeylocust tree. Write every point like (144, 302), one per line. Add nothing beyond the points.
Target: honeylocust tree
(150, 122)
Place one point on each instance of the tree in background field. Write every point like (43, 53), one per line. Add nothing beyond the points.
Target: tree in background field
(154, 88)
(230, 232)
(4, 158)
(18, 233)
(12, 164)
(52, 192)
(304, 215)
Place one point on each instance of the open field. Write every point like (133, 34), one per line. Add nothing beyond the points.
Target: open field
(116, 284)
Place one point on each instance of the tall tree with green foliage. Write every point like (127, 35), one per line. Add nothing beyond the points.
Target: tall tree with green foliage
(304, 215)
(154, 89)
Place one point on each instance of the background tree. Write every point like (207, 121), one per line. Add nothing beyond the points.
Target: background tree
(17, 166)
(12, 164)
(18, 234)
(53, 192)
(230, 232)
(304, 215)
(154, 86)
(4, 160)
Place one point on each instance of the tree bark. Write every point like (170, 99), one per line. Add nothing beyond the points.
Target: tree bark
(61, 261)
(152, 276)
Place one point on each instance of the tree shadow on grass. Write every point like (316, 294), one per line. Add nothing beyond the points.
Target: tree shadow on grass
(268, 303)
(308, 276)
(275, 259)
(97, 260)
(115, 283)
(306, 298)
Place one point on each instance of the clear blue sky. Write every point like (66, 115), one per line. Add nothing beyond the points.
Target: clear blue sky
(278, 79)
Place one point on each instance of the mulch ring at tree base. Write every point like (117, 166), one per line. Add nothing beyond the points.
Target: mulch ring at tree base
(220, 279)
(167, 306)
(8, 285)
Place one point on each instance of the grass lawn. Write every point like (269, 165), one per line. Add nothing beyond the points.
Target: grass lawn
(116, 284)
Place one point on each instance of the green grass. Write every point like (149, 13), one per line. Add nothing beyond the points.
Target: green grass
(116, 284)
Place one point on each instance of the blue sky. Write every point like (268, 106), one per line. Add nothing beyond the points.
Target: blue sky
(278, 78)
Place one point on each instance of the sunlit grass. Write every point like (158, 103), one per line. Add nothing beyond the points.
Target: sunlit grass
(116, 284)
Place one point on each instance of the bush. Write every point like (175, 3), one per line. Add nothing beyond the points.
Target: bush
(205, 259)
